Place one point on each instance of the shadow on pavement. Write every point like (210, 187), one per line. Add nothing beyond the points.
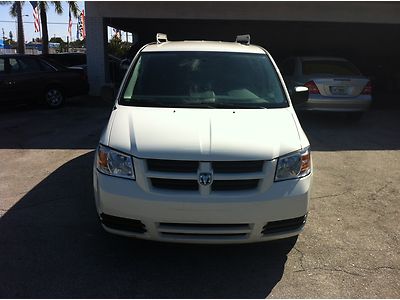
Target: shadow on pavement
(77, 125)
(52, 246)
(377, 130)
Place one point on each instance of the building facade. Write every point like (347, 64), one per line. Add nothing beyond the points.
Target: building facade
(366, 32)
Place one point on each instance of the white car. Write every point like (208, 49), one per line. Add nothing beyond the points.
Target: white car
(334, 84)
(203, 146)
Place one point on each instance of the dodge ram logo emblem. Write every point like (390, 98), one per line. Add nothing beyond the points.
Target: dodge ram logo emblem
(205, 178)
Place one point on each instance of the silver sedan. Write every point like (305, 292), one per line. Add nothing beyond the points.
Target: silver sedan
(334, 84)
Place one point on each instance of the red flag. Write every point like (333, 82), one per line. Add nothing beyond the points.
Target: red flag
(70, 25)
(36, 15)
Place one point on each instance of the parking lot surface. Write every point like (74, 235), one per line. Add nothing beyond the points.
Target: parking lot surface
(52, 245)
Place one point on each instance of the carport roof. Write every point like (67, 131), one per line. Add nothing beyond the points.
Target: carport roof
(203, 46)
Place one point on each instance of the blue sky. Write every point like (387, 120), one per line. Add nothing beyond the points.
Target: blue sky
(60, 30)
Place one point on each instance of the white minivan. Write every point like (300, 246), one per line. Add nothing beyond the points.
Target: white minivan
(203, 146)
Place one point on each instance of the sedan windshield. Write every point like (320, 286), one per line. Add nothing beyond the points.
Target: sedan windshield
(204, 79)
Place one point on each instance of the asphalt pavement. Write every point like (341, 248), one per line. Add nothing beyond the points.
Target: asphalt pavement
(52, 245)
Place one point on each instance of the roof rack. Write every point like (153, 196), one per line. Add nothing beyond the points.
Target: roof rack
(243, 39)
(161, 38)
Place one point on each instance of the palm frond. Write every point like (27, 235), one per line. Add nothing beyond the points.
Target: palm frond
(57, 7)
(43, 6)
(74, 8)
(13, 7)
(14, 10)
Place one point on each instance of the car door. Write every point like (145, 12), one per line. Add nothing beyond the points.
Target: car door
(25, 78)
(5, 86)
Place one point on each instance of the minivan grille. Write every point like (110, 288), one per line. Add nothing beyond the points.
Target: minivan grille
(234, 185)
(183, 175)
(200, 231)
(174, 184)
(237, 166)
(161, 165)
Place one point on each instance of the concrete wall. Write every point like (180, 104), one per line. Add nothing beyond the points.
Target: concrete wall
(97, 14)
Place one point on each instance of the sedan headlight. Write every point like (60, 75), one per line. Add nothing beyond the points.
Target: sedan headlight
(114, 163)
(294, 165)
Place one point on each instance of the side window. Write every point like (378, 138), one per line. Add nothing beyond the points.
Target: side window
(14, 65)
(288, 67)
(28, 65)
(2, 65)
(45, 66)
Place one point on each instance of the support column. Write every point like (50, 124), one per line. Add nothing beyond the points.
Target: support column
(96, 41)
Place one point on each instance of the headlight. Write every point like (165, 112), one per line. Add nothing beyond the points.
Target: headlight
(294, 165)
(114, 163)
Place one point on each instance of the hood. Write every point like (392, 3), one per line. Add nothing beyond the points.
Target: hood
(204, 134)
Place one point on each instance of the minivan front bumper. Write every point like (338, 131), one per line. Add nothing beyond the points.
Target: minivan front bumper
(126, 209)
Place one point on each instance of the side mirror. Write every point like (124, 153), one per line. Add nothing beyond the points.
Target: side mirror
(299, 95)
(107, 93)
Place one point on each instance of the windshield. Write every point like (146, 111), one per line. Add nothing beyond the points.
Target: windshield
(204, 79)
(329, 67)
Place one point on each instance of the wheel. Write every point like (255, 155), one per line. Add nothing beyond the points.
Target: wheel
(54, 97)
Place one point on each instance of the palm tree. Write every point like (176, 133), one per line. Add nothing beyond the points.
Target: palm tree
(16, 12)
(43, 7)
(73, 6)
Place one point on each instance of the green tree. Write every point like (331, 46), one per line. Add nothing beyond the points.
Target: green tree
(43, 7)
(117, 47)
(16, 12)
(11, 43)
(60, 41)
(78, 44)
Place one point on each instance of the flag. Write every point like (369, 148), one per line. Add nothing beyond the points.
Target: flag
(36, 15)
(117, 33)
(70, 24)
(81, 30)
(77, 30)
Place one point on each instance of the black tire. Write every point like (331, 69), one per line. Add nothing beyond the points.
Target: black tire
(54, 97)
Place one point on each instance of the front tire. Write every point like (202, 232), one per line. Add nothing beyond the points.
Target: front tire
(54, 97)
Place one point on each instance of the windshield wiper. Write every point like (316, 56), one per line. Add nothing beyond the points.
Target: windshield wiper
(146, 102)
(238, 105)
